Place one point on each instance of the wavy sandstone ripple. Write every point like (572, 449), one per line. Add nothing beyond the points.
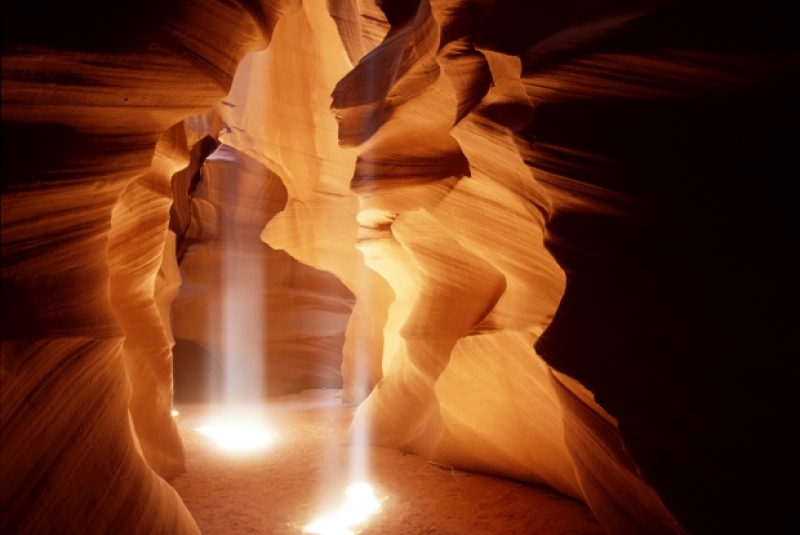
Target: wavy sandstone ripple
(566, 227)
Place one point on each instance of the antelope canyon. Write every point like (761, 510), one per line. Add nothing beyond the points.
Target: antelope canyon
(524, 266)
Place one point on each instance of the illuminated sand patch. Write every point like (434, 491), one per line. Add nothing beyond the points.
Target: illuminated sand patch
(361, 503)
(238, 431)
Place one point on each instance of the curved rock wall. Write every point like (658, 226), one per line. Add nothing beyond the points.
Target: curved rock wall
(269, 324)
(85, 399)
(567, 227)
(667, 154)
(451, 217)
(278, 112)
(134, 264)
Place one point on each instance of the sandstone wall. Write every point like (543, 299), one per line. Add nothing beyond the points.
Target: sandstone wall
(567, 227)
(86, 96)
(278, 112)
(268, 324)
(423, 176)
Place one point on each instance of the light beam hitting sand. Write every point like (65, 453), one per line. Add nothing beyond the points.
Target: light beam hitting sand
(238, 436)
(239, 429)
(239, 425)
(361, 503)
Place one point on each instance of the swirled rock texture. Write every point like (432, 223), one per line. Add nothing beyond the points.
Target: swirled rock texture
(278, 112)
(135, 265)
(422, 184)
(567, 227)
(87, 96)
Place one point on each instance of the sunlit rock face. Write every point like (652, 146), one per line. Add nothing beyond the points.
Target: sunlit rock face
(278, 113)
(421, 183)
(142, 283)
(566, 227)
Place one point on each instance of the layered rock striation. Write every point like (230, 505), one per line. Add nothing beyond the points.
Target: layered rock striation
(566, 227)
(86, 371)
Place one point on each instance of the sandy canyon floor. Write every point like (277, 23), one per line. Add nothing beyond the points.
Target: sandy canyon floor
(303, 473)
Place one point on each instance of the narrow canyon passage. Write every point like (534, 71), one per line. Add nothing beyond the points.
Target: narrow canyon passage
(548, 242)
(303, 473)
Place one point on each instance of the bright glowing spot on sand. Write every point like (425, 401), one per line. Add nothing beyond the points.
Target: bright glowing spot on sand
(238, 436)
(361, 503)
(175, 413)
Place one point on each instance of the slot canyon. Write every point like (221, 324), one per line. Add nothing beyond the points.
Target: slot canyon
(538, 244)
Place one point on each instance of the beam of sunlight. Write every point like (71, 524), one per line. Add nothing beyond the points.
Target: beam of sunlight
(361, 503)
(238, 323)
(359, 430)
(243, 324)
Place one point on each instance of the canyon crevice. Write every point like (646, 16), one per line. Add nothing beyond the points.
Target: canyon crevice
(545, 241)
